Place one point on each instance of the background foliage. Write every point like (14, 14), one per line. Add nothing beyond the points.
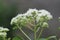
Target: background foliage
(7, 11)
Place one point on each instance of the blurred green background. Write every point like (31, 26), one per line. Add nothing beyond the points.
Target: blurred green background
(7, 11)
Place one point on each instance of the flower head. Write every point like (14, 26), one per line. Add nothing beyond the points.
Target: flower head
(32, 15)
(44, 14)
(18, 18)
(30, 12)
(3, 31)
(3, 34)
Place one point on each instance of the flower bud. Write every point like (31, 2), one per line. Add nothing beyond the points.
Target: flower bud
(41, 19)
(45, 24)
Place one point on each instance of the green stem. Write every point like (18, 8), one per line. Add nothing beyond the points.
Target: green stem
(35, 33)
(24, 33)
(4, 38)
(51, 37)
(19, 36)
(40, 33)
(37, 29)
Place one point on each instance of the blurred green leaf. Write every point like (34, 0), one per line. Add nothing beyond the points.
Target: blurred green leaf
(9, 38)
(52, 37)
(1, 38)
(17, 38)
(14, 28)
(42, 39)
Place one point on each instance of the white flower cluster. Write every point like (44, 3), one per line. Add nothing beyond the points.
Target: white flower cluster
(44, 13)
(3, 34)
(18, 18)
(3, 31)
(29, 13)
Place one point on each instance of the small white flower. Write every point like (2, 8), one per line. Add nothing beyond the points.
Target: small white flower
(44, 12)
(29, 12)
(5, 29)
(19, 16)
(3, 34)
(49, 17)
(1, 28)
(14, 20)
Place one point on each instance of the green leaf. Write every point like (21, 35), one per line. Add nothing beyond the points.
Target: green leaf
(15, 27)
(42, 39)
(1, 38)
(52, 37)
(9, 38)
(17, 38)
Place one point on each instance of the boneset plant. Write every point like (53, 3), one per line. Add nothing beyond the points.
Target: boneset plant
(35, 20)
(3, 33)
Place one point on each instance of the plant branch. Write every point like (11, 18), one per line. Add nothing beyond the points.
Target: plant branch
(35, 33)
(37, 29)
(29, 27)
(24, 33)
(40, 33)
(4, 38)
